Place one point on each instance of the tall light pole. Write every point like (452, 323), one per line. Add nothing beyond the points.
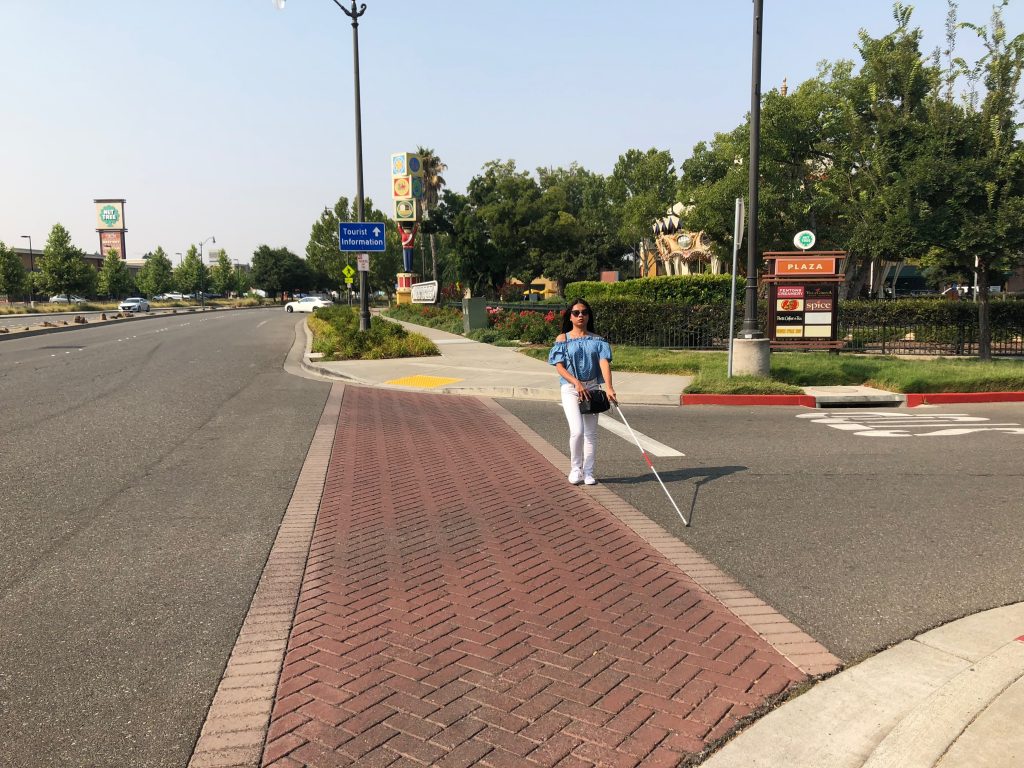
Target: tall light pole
(354, 13)
(31, 271)
(750, 329)
(202, 270)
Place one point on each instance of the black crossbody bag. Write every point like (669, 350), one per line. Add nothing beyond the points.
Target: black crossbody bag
(598, 401)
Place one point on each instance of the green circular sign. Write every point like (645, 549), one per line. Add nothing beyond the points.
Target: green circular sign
(109, 215)
(804, 240)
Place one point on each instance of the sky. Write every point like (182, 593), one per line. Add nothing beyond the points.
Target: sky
(232, 119)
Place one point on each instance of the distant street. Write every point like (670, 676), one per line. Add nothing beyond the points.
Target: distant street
(16, 321)
(144, 468)
(864, 526)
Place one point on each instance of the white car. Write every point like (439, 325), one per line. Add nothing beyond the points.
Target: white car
(306, 304)
(134, 305)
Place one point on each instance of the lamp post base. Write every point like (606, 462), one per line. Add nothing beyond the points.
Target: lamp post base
(751, 357)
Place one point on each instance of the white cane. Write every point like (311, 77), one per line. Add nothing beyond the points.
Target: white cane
(649, 464)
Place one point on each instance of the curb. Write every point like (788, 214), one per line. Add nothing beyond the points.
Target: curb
(939, 398)
(808, 401)
(234, 732)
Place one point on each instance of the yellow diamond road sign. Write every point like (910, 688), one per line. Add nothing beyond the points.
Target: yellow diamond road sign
(348, 271)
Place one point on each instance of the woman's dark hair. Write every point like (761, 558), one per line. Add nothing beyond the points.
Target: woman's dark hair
(567, 317)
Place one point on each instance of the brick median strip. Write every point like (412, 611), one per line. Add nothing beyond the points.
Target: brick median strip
(464, 605)
(809, 656)
(236, 725)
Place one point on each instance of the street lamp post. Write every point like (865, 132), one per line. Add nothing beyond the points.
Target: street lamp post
(750, 329)
(31, 271)
(354, 13)
(202, 269)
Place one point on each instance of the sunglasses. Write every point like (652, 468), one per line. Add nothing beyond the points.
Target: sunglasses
(579, 313)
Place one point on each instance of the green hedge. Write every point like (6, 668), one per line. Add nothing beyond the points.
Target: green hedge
(685, 289)
(927, 312)
(642, 322)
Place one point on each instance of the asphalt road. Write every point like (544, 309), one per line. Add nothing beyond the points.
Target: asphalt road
(862, 530)
(144, 469)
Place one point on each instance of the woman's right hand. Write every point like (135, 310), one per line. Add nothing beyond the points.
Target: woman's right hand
(581, 391)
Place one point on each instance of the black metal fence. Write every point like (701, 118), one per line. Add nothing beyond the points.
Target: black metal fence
(707, 328)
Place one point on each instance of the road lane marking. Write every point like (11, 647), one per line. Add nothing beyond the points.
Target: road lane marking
(649, 444)
(880, 424)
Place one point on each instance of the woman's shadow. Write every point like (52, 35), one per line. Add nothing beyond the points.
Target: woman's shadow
(701, 476)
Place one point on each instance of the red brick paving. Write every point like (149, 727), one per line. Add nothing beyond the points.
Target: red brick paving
(463, 605)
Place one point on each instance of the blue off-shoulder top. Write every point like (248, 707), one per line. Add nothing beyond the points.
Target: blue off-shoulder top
(581, 357)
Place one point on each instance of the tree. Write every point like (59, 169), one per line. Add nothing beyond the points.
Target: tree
(642, 186)
(326, 261)
(886, 107)
(222, 276)
(62, 267)
(115, 280)
(973, 174)
(13, 277)
(579, 232)
(502, 221)
(191, 274)
(156, 275)
(277, 270)
(433, 182)
(470, 250)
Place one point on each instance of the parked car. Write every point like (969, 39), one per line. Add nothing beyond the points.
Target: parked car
(170, 296)
(65, 298)
(306, 304)
(134, 304)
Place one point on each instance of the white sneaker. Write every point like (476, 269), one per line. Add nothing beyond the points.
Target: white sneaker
(589, 480)
(575, 476)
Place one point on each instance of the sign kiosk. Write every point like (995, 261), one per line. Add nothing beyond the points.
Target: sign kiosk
(407, 193)
(803, 298)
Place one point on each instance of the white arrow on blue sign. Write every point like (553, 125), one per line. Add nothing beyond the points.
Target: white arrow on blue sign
(363, 236)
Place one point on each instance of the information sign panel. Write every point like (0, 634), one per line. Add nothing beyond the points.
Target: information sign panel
(366, 236)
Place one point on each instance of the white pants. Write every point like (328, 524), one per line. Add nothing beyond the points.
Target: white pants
(582, 431)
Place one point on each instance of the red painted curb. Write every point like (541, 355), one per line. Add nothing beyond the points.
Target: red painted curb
(938, 398)
(805, 400)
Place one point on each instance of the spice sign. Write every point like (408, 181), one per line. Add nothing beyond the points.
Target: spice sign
(806, 311)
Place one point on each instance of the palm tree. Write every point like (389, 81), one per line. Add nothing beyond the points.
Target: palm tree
(432, 184)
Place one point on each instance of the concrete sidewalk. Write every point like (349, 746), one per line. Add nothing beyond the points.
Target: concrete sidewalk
(950, 698)
(467, 367)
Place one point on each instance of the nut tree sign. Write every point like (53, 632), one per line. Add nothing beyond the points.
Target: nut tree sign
(109, 214)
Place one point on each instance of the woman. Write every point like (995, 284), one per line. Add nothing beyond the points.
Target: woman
(583, 360)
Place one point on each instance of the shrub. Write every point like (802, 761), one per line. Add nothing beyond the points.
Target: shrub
(485, 335)
(526, 325)
(432, 316)
(685, 289)
(336, 334)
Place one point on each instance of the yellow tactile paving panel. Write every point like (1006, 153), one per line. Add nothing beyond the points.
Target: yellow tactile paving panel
(423, 382)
